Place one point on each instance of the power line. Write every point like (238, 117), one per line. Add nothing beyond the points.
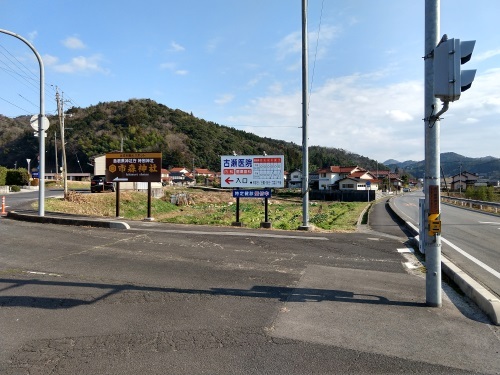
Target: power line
(20, 63)
(315, 53)
(22, 109)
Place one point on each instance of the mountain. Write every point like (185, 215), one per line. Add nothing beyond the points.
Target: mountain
(452, 163)
(142, 125)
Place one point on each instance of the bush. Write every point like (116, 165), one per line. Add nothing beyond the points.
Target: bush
(17, 176)
(481, 193)
(15, 188)
(3, 176)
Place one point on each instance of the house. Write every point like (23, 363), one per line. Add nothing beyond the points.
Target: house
(329, 177)
(295, 180)
(179, 169)
(203, 172)
(461, 181)
(354, 183)
(179, 178)
(389, 180)
(165, 177)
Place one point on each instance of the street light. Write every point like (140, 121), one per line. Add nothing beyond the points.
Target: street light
(41, 116)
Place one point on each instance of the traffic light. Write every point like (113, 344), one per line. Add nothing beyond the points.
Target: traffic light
(449, 80)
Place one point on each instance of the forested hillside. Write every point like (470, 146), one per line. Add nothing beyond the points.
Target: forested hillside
(146, 126)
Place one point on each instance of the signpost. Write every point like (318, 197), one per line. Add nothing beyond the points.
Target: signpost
(252, 171)
(133, 167)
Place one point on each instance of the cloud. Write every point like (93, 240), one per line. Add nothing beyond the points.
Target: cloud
(290, 44)
(167, 65)
(49, 60)
(370, 115)
(82, 64)
(212, 44)
(355, 113)
(32, 35)
(224, 99)
(172, 67)
(399, 115)
(175, 47)
(72, 42)
(486, 55)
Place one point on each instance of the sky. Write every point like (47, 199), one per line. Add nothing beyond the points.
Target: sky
(238, 63)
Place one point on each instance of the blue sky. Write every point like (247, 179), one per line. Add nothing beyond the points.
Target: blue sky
(238, 63)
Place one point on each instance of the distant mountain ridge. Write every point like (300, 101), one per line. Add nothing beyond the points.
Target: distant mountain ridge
(487, 167)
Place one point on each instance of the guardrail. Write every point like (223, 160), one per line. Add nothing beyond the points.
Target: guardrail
(471, 203)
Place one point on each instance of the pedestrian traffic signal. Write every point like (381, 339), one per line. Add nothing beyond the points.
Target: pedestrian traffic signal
(449, 80)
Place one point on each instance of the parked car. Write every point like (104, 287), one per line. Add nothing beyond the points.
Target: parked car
(99, 183)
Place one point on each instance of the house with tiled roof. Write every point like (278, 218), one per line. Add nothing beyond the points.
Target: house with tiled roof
(329, 177)
(179, 170)
(462, 180)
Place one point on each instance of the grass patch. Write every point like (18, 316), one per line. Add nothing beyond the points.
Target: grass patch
(212, 208)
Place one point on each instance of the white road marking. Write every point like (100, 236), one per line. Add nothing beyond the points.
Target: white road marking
(475, 260)
(405, 250)
(236, 234)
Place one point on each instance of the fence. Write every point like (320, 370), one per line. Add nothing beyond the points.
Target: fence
(471, 203)
(342, 195)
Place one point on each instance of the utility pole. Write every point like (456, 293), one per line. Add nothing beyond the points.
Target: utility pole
(460, 180)
(432, 243)
(305, 146)
(57, 161)
(60, 111)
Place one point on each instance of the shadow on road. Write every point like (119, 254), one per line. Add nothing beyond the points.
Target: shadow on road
(283, 294)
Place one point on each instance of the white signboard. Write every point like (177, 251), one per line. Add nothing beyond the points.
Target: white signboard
(252, 171)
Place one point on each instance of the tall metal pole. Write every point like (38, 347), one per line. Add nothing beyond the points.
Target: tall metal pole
(57, 160)
(432, 243)
(305, 147)
(41, 132)
(63, 148)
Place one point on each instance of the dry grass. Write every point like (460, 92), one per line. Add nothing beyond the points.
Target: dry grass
(211, 208)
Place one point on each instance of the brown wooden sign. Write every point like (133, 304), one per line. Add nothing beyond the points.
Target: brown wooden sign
(133, 167)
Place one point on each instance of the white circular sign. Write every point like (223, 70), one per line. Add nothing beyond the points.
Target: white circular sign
(34, 122)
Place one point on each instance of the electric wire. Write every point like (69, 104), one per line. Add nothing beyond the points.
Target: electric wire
(315, 55)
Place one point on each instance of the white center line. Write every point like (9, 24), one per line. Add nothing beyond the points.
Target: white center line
(477, 261)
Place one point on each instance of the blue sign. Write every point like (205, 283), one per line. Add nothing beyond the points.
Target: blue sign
(35, 174)
(264, 193)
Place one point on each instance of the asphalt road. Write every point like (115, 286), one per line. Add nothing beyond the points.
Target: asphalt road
(470, 239)
(171, 299)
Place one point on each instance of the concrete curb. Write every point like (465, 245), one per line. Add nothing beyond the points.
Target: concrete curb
(482, 297)
(78, 221)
